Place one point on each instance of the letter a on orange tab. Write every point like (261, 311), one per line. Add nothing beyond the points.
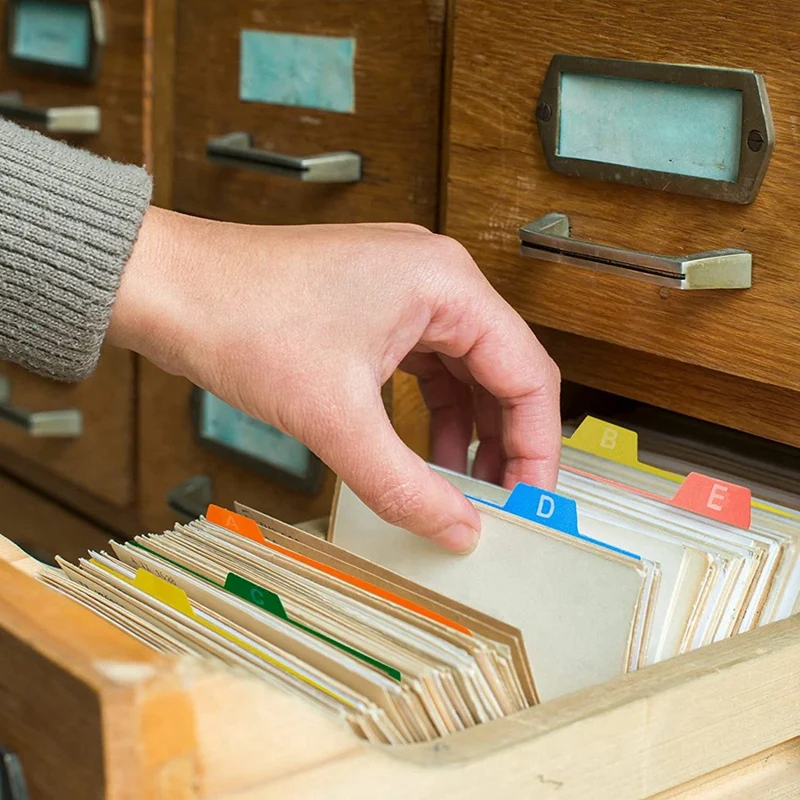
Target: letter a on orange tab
(715, 499)
(236, 523)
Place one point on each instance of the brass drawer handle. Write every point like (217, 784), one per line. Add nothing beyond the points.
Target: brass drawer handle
(236, 150)
(65, 424)
(548, 239)
(191, 498)
(67, 119)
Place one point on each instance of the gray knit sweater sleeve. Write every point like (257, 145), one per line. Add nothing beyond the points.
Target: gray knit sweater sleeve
(68, 223)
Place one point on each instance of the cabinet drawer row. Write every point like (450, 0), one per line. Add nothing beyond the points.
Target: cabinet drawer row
(278, 113)
(273, 112)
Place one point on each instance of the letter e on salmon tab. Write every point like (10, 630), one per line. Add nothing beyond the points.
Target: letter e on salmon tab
(715, 499)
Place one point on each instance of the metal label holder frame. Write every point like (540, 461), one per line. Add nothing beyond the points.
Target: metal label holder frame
(757, 139)
(310, 483)
(97, 44)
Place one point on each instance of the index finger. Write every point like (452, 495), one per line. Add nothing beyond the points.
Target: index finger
(503, 355)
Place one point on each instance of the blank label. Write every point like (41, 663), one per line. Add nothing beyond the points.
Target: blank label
(685, 130)
(306, 71)
(56, 33)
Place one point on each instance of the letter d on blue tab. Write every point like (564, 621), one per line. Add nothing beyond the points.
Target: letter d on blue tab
(537, 505)
(552, 510)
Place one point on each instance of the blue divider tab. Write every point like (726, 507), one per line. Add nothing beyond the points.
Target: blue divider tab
(553, 511)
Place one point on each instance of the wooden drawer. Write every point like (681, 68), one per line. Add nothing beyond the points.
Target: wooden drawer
(499, 181)
(100, 460)
(394, 122)
(42, 528)
(118, 90)
(120, 721)
(171, 453)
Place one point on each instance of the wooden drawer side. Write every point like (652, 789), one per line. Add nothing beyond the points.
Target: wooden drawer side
(90, 712)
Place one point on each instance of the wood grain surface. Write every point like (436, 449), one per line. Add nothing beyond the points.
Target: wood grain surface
(91, 712)
(771, 412)
(43, 528)
(498, 180)
(395, 125)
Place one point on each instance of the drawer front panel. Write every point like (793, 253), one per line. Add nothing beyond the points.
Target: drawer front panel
(97, 456)
(100, 459)
(300, 80)
(172, 453)
(499, 181)
(44, 529)
(304, 79)
(117, 91)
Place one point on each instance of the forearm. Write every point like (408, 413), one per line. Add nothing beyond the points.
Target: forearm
(68, 223)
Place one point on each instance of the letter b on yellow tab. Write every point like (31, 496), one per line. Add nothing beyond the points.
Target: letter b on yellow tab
(604, 440)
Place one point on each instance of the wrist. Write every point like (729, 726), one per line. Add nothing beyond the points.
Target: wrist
(150, 312)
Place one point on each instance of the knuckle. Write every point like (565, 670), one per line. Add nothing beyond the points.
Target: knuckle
(410, 227)
(554, 371)
(450, 251)
(399, 504)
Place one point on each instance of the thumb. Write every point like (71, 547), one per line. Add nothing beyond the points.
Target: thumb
(369, 456)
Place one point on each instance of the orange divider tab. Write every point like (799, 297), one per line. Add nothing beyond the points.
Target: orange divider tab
(235, 522)
(249, 529)
(720, 500)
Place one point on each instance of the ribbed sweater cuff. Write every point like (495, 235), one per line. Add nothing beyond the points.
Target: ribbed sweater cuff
(68, 223)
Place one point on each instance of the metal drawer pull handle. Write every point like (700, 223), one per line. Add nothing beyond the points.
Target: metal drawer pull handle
(69, 119)
(12, 778)
(64, 424)
(548, 238)
(236, 150)
(191, 498)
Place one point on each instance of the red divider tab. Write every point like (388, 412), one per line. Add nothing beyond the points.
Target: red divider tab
(235, 522)
(716, 499)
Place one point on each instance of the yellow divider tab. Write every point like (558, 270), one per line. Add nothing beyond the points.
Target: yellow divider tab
(621, 446)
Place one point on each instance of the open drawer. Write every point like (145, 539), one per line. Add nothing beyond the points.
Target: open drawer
(120, 721)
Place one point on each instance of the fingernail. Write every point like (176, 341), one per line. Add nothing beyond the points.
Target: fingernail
(459, 538)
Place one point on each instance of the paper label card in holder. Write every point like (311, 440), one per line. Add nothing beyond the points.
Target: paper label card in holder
(261, 447)
(697, 130)
(63, 38)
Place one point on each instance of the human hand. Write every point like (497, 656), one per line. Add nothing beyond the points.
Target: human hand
(300, 326)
